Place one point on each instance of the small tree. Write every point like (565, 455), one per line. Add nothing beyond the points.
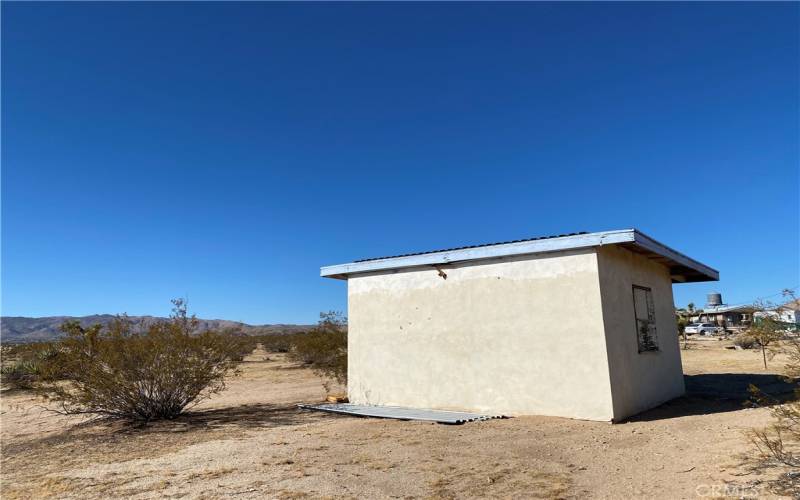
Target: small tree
(150, 372)
(766, 328)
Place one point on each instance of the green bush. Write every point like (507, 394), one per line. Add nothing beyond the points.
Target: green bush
(148, 373)
(324, 347)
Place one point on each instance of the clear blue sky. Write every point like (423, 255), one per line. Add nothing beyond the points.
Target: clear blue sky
(225, 152)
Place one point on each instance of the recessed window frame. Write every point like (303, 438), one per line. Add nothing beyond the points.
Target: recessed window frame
(638, 316)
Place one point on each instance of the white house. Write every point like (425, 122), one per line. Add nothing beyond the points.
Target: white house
(788, 313)
(579, 325)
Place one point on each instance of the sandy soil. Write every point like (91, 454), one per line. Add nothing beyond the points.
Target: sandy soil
(252, 442)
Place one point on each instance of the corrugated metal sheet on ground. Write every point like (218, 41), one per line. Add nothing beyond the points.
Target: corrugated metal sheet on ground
(396, 412)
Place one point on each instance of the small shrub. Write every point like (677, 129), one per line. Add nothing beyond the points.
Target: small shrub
(277, 343)
(22, 366)
(324, 347)
(745, 341)
(140, 374)
(20, 374)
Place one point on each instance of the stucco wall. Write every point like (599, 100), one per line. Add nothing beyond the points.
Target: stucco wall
(638, 381)
(518, 336)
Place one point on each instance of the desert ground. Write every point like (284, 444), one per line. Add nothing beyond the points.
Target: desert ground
(252, 442)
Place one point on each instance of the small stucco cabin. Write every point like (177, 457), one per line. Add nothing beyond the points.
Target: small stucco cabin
(579, 325)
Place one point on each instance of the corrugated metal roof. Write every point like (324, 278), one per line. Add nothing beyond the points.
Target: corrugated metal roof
(727, 308)
(682, 268)
(472, 246)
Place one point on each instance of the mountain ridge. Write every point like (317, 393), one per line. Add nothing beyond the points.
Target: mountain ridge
(22, 329)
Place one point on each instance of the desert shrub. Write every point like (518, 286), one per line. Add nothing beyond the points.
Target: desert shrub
(277, 342)
(143, 373)
(745, 341)
(19, 374)
(324, 347)
(11, 351)
(240, 344)
(778, 444)
(23, 366)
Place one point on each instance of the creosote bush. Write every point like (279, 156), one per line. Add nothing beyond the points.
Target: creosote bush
(778, 444)
(240, 344)
(324, 347)
(148, 373)
(276, 342)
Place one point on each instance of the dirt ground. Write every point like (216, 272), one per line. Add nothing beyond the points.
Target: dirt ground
(252, 442)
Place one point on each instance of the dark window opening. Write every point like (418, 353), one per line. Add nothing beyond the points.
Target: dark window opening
(645, 315)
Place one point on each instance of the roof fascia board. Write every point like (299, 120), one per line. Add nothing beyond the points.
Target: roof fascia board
(488, 252)
(649, 243)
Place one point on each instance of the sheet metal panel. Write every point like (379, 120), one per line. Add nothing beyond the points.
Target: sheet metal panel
(480, 252)
(398, 413)
(687, 269)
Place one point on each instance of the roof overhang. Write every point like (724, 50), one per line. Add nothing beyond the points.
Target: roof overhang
(683, 269)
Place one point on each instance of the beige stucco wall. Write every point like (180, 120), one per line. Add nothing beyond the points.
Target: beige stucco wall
(517, 336)
(638, 381)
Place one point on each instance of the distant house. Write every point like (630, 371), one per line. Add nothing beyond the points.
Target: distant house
(739, 316)
(787, 313)
(790, 312)
(579, 325)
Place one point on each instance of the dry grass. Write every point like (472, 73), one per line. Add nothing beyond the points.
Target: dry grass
(251, 442)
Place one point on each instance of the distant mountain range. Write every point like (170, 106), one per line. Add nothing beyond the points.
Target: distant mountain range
(20, 329)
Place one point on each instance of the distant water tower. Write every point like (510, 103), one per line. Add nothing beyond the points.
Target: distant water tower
(714, 299)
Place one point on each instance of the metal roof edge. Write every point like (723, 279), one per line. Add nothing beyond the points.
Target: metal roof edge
(483, 252)
(649, 243)
(578, 241)
(723, 309)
